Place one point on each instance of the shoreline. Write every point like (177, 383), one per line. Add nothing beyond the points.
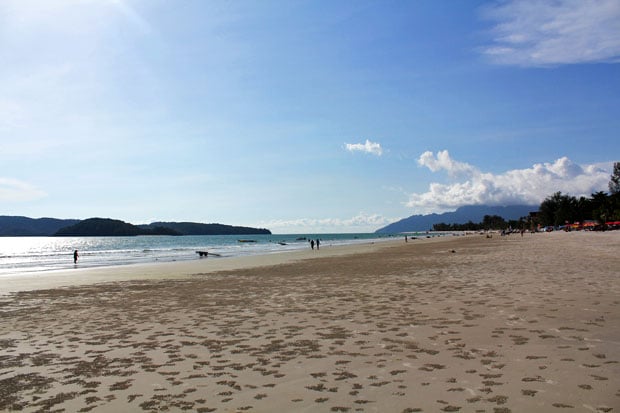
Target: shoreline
(23, 255)
(506, 324)
(27, 281)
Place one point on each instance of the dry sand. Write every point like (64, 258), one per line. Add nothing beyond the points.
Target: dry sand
(508, 324)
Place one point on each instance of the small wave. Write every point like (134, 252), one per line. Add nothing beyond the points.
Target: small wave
(21, 255)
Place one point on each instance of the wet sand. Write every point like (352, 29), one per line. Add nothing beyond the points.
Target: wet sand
(471, 324)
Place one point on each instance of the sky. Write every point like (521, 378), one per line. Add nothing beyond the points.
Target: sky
(303, 116)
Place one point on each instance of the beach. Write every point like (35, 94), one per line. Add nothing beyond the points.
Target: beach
(473, 324)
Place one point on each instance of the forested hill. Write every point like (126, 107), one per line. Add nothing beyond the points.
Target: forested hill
(105, 227)
(193, 228)
(474, 213)
(19, 226)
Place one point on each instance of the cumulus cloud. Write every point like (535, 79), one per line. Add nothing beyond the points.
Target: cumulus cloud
(548, 33)
(519, 186)
(362, 222)
(13, 190)
(368, 147)
(445, 162)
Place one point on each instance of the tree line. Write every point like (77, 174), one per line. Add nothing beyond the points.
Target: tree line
(557, 210)
(488, 222)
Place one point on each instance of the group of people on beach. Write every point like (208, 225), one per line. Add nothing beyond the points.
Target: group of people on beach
(312, 243)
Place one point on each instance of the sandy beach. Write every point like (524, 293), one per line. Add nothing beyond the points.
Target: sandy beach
(470, 324)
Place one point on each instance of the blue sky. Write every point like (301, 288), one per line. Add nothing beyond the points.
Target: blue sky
(303, 116)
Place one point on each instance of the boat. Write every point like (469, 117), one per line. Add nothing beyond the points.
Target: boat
(246, 240)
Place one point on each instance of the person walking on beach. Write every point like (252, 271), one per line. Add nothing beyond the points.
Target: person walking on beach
(317, 243)
(312, 244)
(75, 256)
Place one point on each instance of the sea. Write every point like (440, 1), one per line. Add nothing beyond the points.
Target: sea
(19, 255)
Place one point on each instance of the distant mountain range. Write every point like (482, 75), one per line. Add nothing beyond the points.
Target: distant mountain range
(23, 226)
(30, 227)
(105, 227)
(193, 228)
(18, 226)
(464, 214)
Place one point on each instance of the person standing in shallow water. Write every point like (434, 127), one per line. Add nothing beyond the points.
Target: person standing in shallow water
(317, 243)
(75, 256)
(312, 243)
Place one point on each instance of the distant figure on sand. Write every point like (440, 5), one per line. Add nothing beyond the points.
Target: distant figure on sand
(75, 256)
(405, 238)
(317, 243)
(312, 243)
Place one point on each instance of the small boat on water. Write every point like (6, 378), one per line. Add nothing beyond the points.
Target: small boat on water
(246, 240)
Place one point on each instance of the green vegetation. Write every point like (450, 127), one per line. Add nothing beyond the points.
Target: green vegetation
(18, 226)
(488, 222)
(557, 210)
(614, 182)
(560, 209)
(194, 228)
(110, 227)
(105, 227)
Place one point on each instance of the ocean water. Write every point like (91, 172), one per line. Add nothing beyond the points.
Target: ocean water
(41, 254)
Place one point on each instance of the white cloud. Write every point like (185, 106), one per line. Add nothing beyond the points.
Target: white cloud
(519, 186)
(443, 161)
(368, 147)
(547, 33)
(13, 190)
(362, 222)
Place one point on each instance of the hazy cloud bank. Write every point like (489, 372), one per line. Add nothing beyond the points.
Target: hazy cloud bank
(362, 222)
(519, 186)
(13, 190)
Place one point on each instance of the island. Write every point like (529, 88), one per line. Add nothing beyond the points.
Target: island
(20, 226)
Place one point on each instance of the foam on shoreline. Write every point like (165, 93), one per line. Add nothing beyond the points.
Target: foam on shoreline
(180, 269)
